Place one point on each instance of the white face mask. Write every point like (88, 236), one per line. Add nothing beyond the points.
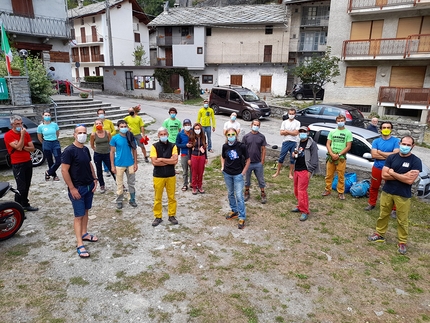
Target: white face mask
(291, 116)
(187, 128)
(81, 138)
(197, 131)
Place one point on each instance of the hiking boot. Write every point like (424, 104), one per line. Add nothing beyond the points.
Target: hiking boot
(157, 221)
(241, 224)
(296, 210)
(146, 160)
(393, 214)
(369, 208)
(132, 203)
(376, 238)
(326, 193)
(246, 195)
(119, 205)
(30, 208)
(402, 248)
(102, 189)
(173, 220)
(231, 215)
(263, 198)
(303, 217)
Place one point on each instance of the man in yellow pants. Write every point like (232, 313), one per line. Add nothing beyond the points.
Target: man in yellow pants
(164, 157)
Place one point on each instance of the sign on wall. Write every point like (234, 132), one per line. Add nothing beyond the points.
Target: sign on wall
(4, 93)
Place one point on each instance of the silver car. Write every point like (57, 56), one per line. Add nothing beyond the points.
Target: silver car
(360, 153)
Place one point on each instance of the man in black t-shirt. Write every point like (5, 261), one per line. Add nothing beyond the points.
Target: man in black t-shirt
(79, 175)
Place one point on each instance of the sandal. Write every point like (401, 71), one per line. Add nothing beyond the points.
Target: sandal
(56, 179)
(82, 252)
(341, 196)
(201, 191)
(47, 176)
(90, 238)
(184, 188)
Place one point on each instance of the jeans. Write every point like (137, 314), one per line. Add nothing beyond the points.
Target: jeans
(104, 159)
(287, 146)
(23, 173)
(259, 173)
(52, 148)
(208, 133)
(185, 168)
(159, 184)
(131, 178)
(235, 184)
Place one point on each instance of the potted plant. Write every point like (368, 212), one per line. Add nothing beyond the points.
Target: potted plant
(83, 95)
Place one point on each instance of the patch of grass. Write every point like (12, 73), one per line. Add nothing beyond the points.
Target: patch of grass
(174, 297)
(250, 314)
(78, 281)
(391, 311)
(66, 141)
(195, 101)
(195, 312)
(301, 276)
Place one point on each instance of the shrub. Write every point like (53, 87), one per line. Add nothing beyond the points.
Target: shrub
(96, 79)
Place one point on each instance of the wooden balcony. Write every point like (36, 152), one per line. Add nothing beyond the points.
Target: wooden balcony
(375, 6)
(407, 98)
(412, 47)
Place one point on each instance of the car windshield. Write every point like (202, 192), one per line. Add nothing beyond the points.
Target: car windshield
(371, 139)
(249, 96)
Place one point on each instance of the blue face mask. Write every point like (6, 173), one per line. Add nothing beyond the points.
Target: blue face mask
(163, 138)
(341, 124)
(233, 118)
(47, 118)
(231, 139)
(303, 135)
(206, 105)
(101, 116)
(18, 129)
(255, 128)
(123, 130)
(405, 149)
(173, 115)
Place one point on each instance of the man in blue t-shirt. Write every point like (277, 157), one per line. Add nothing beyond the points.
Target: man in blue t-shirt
(382, 147)
(399, 172)
(123, 158)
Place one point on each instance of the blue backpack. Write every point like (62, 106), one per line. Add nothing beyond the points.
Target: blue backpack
(360, 189)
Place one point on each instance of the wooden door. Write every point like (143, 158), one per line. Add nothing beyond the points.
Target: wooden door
(94, 33)
(174, 81)
(168, 31)
(236, 80)
(169, 57)
(86, 71)
(83, 37)
(267, 54)
(266, 84)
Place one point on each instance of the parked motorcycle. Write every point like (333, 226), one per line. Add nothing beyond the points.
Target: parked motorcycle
(11, 213)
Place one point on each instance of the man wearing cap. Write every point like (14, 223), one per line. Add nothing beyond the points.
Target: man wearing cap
(206, 117)
(184, 144)
(172, 125)
(306, 156)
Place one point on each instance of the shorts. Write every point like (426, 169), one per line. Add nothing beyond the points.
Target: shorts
(138, 137)
(85, 202)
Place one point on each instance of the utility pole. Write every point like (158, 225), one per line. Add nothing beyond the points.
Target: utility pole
(111, 62)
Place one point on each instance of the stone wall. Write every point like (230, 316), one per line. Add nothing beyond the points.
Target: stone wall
(91, 85)
(171, 97)
(19, 90)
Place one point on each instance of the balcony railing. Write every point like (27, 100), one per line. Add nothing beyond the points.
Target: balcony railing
(411, 46)
(37, 26)
(88, 39)
(374, 4)
(97, 58)
(399, 96)
(311, 47)
(253, 58)
(176, 40)
(314, 21)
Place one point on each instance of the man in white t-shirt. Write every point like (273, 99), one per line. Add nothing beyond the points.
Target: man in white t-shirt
(232, 123)
(290, 131)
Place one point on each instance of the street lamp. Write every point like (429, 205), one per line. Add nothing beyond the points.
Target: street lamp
(23, 53)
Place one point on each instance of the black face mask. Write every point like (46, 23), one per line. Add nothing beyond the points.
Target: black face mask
(131, 113)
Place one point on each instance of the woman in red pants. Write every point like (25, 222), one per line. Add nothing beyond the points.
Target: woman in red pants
(198, 158)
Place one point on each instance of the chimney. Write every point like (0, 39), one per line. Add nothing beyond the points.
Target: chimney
(166, 8)
(80, 4)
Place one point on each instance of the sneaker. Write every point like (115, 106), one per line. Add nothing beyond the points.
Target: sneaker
(132, 203)
(263, 198)
(393, 214)
(231, 215)
(241, 224)
(326, 193)
(296, 210)
(369, 208)
(173, 220)
(107, 173)
(402, 248)
(303, 217)
(102, 189)
(30, 208)
(246, 196)
(146, 160)
(119, 205)
(376, 238)
(157, 221)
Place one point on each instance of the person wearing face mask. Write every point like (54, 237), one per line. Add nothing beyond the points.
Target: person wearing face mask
(198, 158)
(47, 133)
(173, 125)
(184, 144)
(206, 117)
(80, 178)
(373, 125)
(234, 165)
(382, 147)
(399, 173)
(256, 144)
(339, 142)
(19, 146)
(164, 157)
(136, 125)
(232, 123)
(99, 141)
(123, 159)
(109, 127)
(307, 164)
(290, 131)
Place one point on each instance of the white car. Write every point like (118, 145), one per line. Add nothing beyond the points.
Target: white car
(360, 153)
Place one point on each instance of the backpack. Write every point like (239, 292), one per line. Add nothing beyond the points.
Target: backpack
(360, 189)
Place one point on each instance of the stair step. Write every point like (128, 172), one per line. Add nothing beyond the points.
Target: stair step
(94, 106)
(86, 112)
(87, 121)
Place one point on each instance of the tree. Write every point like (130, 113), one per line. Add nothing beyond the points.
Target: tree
(139, 56)
(319, 70)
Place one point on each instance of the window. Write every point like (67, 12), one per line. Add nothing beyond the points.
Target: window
(94, 33)
(234, 97)
(185, 31)
(97, 69)
(309, 41)
(322, 138)
(82, 21)
(75, 54)
(413, 26)
(208, 31)
(207, 79)
(366, 29)
(331, 111)
(267, 53)
(360, 76)
(72, 33)
(86, 71)
(315, 110)
(95, 53)
(94, 20)
(358, 148)
(136, 37)
(221, 93)
(199, 50)
(129, 80)
(269, 30)
(85, 54)
(144, 82)
(23, 8)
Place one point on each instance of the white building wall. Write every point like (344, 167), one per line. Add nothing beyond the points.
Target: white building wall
(49, 8)
(186, 55)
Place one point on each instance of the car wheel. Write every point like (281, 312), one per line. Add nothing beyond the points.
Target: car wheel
(215, 108)
(246, 115)
(37, 156)
(299, 96)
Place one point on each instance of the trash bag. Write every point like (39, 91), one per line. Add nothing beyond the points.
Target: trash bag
(350, 179)
(360, 189)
